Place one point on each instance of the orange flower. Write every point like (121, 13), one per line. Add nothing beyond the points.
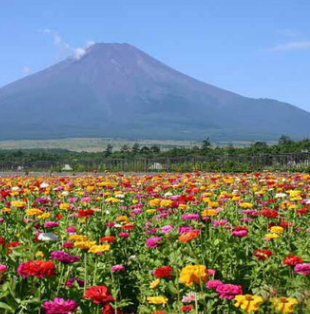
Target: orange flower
(188, 236)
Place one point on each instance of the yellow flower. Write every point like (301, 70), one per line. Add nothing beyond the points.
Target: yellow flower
(99, 248)
(165, 203)
(154, 284)
(33, 212)
(277, 229)
(248, 302)
(44, 216)
(182, 206)
(155, 202)
(209, 212)
(40, 254)
(271, 236)
(193, 273)
(6, 210)
(112, 200)
(90, 188)
(122, 218)
(18, 204)
(84, 245)
(64, 206)
(78, 237)
(151, 211)
(157, 300)
(284, 305)
(213, 204)
(246, 205)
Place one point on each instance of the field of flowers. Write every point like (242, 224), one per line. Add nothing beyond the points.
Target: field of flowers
(155, 244)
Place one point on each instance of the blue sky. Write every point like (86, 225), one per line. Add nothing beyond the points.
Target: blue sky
(257, 48)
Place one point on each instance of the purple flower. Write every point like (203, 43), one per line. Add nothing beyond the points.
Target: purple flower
(70, 282)
(64, 257)
(59, 306)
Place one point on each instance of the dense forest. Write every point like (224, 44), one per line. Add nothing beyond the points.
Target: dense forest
(285, 145)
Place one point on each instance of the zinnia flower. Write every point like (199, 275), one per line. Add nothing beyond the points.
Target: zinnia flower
(39, 269)
(303, 269)
(98, 294)
(157, 300)
(59, 306)
(284, 305)
(193, 274)
(248, 302)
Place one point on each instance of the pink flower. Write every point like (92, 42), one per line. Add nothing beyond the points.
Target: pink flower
(212, 284)
(117, 268)
(227, 291)
(166, 229)
(217, 223)
(303, 269)
(153, 242)
(123, 234)
(3, 268)
(71, 229)
(59, 306)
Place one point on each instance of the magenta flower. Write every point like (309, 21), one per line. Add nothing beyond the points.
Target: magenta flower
(213, 284)
(227, 291)
(64, 257)
(3, 268)
(153, 242)
(70, 282)
(117, 268)
(303, 269)
(51, 224)
(166, 229)
(59, 306)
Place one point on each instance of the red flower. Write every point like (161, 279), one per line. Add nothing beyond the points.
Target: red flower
(262, 255)
(98, 294)
(187, 308)
(268, 213)
(159, 312)
(108, 309)
(108, 239)
(128, 227)
(39, 269)
(2, 241)
(292, 260)
(58, 216)
(163, 272)
(85, 212)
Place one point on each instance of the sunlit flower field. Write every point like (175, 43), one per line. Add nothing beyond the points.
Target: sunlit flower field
(155, 244)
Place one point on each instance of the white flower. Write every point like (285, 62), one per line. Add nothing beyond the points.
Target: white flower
(44, 185)
(48, 237)
(168, 194)
(15, 188)
(117, 225)
(120, 196)
(280, 195)
(107, 212)
(65, 193)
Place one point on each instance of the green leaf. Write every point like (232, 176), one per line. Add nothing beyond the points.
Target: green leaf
(6, 307)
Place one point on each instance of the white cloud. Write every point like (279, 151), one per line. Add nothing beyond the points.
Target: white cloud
(290, 46)
(26, 69)
(77, 53)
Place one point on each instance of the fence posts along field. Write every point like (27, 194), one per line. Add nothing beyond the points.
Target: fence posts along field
(298, 162)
